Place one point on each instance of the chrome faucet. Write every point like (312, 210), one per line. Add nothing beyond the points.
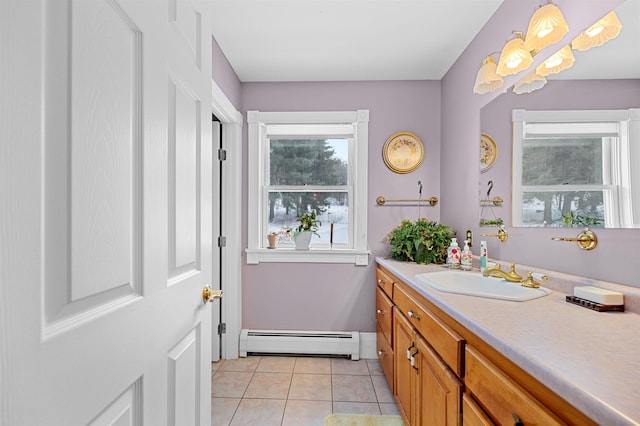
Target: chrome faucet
(497, 272)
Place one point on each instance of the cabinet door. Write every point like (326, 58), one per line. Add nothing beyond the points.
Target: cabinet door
(439, 390)
(404, 373)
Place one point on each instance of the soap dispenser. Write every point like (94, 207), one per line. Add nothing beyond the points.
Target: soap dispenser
(467, 257)
(453, 254)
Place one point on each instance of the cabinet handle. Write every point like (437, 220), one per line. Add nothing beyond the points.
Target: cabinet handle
(413, 360)
(380, 312)
(412, 315)
(517, 421)
(380, 281)
(409, 350)
(381, 353)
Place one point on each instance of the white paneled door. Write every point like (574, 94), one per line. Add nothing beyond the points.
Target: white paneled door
(106, 212)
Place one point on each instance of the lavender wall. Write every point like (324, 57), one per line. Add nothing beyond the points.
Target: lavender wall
(224, 75)
(446, 115)
(614, 258)
(495, 120)
(333, 296)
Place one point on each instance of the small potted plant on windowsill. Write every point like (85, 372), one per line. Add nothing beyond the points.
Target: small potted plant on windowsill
(309, 226)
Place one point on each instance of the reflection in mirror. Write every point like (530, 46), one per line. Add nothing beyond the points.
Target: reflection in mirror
(576, 168)
(603, 78)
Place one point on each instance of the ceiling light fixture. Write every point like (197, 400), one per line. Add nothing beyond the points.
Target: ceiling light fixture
(530, 83)
(514, 57)
(487, 80)
(559, 61)
(547, 26)
(599, 33)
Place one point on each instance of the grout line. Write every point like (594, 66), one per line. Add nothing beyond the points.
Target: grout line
(293, 373)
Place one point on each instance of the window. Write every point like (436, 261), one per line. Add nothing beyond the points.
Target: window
(308, 161)
(573, 168)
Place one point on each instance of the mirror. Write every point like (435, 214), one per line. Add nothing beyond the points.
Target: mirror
(602, 78)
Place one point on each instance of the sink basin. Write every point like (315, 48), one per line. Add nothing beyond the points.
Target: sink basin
(474, 284)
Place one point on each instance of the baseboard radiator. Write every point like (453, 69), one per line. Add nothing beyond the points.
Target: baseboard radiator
(292, 342)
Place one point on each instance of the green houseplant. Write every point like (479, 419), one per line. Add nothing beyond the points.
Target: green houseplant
(420, 241)
(309, 225)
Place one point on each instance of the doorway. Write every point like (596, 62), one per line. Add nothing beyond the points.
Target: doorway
(230, 221)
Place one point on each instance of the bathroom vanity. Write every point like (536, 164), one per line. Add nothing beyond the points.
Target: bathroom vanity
(457, 359)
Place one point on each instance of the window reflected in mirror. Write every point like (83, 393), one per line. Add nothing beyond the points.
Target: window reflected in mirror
(574, 169)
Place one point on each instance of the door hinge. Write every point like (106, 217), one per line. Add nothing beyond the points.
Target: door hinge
(222, 328)
(222, 241)
(222, 154)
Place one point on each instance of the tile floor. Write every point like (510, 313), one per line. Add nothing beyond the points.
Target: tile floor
(300, 391)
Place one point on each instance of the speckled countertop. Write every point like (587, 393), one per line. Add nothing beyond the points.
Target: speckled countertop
(591, 359)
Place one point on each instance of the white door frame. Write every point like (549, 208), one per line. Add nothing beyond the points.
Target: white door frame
(231, 204)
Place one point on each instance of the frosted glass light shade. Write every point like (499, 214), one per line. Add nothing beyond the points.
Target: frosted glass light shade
(599, 33)
(547, 26)
(530, 83)
(559, 61)
(514, 57)
(487, 80)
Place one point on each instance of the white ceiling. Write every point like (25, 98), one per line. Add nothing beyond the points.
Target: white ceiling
(353, 40)
(346, 40)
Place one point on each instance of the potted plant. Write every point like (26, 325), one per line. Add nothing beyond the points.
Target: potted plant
(421, 241)
(274, 237)
(308, 227)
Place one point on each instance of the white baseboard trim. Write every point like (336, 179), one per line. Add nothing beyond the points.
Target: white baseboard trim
(368, 346)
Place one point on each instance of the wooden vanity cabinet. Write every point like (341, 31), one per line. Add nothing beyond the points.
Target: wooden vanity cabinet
(427, 392)
(501, 397)
(443, 374)
(472, 413)
(405, 376)
(384, 334)
(384, 321)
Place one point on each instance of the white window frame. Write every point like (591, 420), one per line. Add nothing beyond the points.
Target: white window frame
(619, 178)
(257, 182)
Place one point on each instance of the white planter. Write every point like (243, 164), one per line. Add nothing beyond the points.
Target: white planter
(302, 240)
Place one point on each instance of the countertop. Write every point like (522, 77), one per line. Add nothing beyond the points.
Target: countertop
(590, 358)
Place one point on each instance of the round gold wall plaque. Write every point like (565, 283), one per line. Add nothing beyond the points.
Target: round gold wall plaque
(488, 152)
(403, 152)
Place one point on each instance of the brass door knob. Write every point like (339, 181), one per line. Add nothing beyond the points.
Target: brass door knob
(209, 294)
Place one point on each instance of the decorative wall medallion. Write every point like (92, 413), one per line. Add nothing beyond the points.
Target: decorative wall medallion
(403, 152)
(488, 152)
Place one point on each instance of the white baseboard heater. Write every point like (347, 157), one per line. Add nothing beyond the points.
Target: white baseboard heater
(300, 342)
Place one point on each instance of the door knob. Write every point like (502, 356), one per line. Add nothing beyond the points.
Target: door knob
(209, 294)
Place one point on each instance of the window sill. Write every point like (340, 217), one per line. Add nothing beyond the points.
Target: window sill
(291, 255)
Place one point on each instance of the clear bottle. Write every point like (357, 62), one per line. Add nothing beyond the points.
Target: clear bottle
(466, 257)
(453, 254)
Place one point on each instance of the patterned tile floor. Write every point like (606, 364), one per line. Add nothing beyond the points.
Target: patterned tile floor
(295, 391)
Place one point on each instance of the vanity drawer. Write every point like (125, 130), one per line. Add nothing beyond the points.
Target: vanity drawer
(384, 281)
(500, 396)
(385, 355)
(472, 414)
(384, 313)
(447, 343)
